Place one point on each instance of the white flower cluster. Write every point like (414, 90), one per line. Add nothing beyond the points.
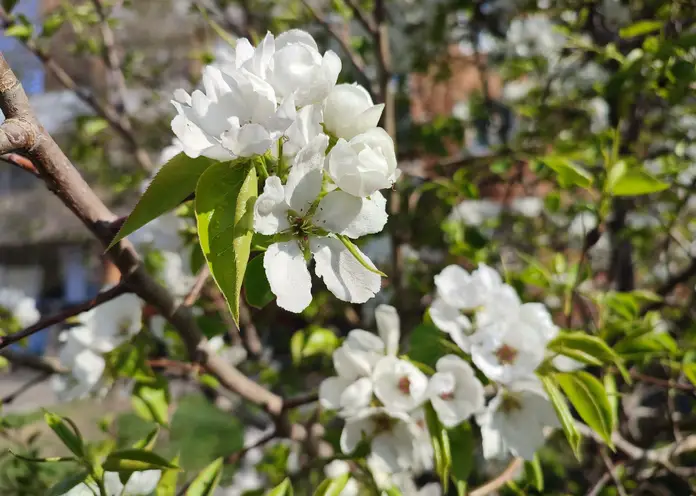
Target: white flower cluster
(506, 340)
(101, 330)
(381, 396)
(280, 100)
(141, 483)
(18, 307)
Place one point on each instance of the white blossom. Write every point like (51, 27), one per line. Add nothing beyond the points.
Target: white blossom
(393, 437)
(310, 224)
(19, 306)
(349, 111)
(459, 291)
(365, 164)
(85, 368)
(140, 483)
(338, 468)
(399, 384)
(454, 391)
(355, 360)
(514, 421)
(236, 116)
(110, 324)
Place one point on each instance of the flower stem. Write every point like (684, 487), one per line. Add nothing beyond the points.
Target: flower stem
(260, 164)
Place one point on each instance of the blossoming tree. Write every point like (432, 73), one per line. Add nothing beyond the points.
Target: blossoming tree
(495, 352)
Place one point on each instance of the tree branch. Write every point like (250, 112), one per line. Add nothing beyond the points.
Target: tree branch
(59, 317)
(364, 20)
(42, 364)
(506, 476)
(66, 183)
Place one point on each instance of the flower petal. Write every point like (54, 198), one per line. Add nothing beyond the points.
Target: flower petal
(288, 276)
(305, 178)
(330, 391)
(270, 209)
(343, 213)
(357, 395)
(342, 273)
(450, 320)
(388, 326)
(249, 140)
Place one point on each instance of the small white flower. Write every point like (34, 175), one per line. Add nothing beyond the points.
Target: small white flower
(293, 209)
(338, 468)
(297, 68)
(514, 421)
(459, 291)
(399, 384)
(352, 389)
(475, 212)
(393, 437)
(141, 483)
(85, 370)
(21, 307)
(237, 116)
(110, 324)
(349, 111)
(365, 164)
(508, 350)
(307, 125)
(454, 391)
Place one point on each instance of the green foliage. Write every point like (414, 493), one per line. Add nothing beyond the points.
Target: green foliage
(332, 487)
(134, 460)
(200, 433)
(256, 287)
(282, 489)
(175, 181)
(563, 413)
(225, 197)
(589, 398)
(205, 483)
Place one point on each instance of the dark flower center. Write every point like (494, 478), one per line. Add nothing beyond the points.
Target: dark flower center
(404, 385)
(506, 354)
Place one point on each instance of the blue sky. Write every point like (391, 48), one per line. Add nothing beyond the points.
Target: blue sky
(31, 70)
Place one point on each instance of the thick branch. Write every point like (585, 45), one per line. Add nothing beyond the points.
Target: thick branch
(59, 317)
(362, 17)
(65, 181)
(42, 364)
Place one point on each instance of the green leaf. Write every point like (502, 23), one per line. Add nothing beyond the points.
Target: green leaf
(689, 366)
(8, 5)
(640, 28)
(20, 31)
(563, 413)
(52, 24)
(441, 446)
(200, 433)
(225, 198)
(461, 439)
(151, 401)
(135, 459)
(612, 395)
(296, 346)
(637, 182)
(534, 474)
(175, 181)
(205, 483)
(585, 348)
(590, 400)
(358, 256)
(256, 287)
(167, 483)
(427, 344)
(321, 341)
(68, 483)
(70, 437)
(332, 487)
(50, 459)
(569, 174)
(149, 441)
(616, 172)
(282, 489)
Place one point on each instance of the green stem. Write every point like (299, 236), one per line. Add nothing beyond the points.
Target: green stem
(260, 164)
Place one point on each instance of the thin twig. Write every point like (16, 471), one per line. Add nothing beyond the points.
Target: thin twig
(65, 314)
(494, 484)
(353, 56)
(198, 284)
(24, 388)
(611, 468)
(42, 364)
(21, 162)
